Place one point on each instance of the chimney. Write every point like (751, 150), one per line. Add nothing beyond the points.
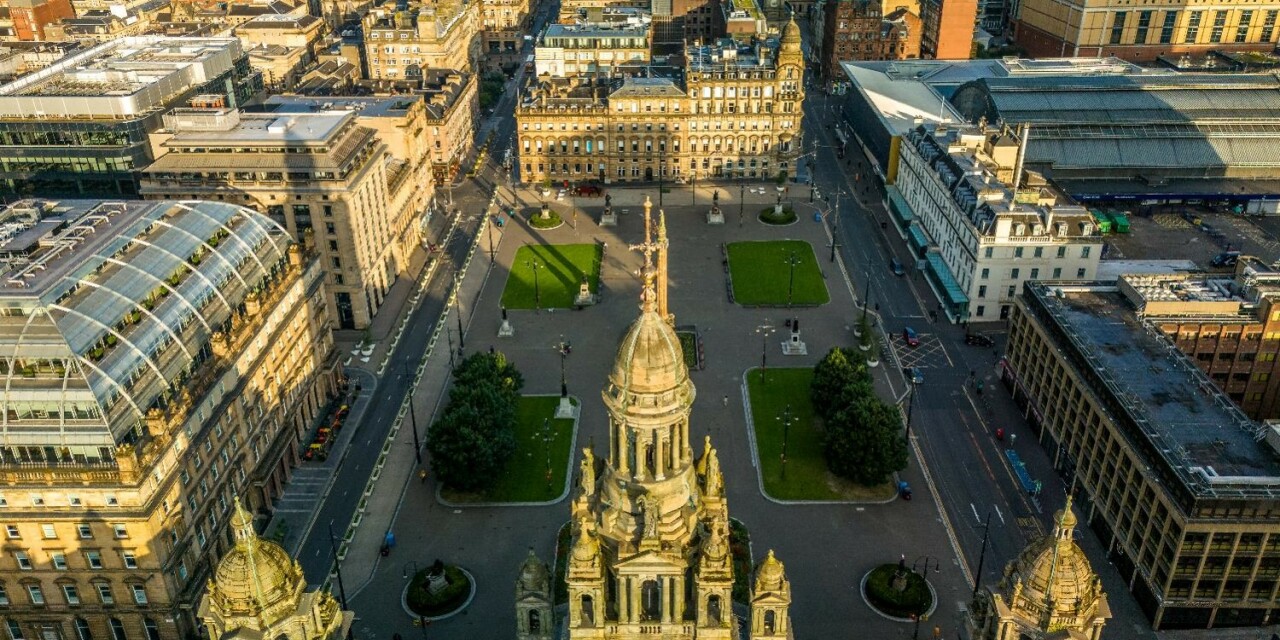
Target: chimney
(1024, 134)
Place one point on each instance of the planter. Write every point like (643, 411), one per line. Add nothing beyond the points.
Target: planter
(457, 592)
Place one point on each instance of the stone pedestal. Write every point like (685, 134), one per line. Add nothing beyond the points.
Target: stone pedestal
(506, 330)
(795, 346)
(608, 218)
(566, 410)
(715, 216)
(585, 298)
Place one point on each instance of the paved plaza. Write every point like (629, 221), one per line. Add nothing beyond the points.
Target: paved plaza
(839, 542)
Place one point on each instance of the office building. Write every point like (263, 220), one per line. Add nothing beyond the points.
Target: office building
(321, 175)
(947, 29)
(592, 50)
(503, 27)
(732, 110)
(83, 125)
(164, 358)
(981, 224)
(402, 43)
(1142, 33)
(1181, 488)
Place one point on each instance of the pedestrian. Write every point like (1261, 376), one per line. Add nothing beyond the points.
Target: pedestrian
(422, 475)
(726, 401)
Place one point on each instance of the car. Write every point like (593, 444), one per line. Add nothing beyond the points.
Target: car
(911, 337)
(914, 375)
(979, 340)
(588, 191)
(896, 267)
(1225, 259)
(560, 195)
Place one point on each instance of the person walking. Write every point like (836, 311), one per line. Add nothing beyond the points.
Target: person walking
(726, 401)
(422, 475)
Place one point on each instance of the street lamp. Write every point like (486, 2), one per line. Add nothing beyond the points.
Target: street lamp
(791, 261)
(911, 403)
(404, 570)
(764, 330)
(537, 291)
(742, 197)
(662, 166)
(337, 566)
(986, 530)
(835, 226)
(926, 562)
(786, 420)
(413, 416)
(448, 330)
(564, 348)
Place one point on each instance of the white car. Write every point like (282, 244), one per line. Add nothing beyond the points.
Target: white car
(560, 195)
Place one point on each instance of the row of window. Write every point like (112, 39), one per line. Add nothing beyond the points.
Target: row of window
(71, 594)
(1015, 273)
(74, 501)
(92, 560)
(53, 631)
(50, 532)
(1038, 252)
(1168, 25)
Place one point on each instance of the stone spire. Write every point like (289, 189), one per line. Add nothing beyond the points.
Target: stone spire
(663, 248)
(648, 273)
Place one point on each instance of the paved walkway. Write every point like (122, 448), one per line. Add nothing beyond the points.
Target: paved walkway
(840, 542)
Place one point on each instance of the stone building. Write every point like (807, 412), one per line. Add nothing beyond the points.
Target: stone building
(165, 357)
(1048, 591)
(850, 31)
(346, 194)
(651, 555)
(503, 25)
(259, 592)
(592, 50)
(403, 43)
(731, 110)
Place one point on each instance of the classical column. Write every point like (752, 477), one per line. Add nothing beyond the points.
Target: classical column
(659, 457)
(624, 457)
(679, 612)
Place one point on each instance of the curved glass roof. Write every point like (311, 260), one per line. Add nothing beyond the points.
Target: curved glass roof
(115, 304)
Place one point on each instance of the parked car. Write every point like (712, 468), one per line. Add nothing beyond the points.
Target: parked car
(588, 191)
(979, 340)
(896, 267)
(911, 337)
(914, 375)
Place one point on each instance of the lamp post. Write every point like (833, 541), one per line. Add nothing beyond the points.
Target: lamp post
(835, 227)
(337, 566)
(764, 330)
(662, 165)
(413, 417)
(537, 291)
(791, 261)
(563, 347)
(742, 197)
(448, 330)
(786, 420)
(926, 562)
(694, 171)
(866, 292)
(911, 403)
(457, 305)
(404, 570)
(986, 530)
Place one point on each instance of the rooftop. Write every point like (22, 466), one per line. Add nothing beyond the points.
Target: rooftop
(595, 31)
(726, 53)
(197, 126)
(1169, 405)
(369, 107)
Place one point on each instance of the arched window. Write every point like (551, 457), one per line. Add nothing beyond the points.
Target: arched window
(650, 600)
(83, 632)
(770, 621)
(588, 611)
(153, 631)
(713, 609)
(117, 629)
(535, 621)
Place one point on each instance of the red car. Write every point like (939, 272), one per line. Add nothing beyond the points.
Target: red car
(910, 336)
(588, 190)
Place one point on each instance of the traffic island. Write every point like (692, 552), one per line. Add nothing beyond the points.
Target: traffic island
(775, 273)
(438, 592)
(778, 216)
(550, 276)
(546, 219)
(537, 471)
(897, 593)
(782, 412)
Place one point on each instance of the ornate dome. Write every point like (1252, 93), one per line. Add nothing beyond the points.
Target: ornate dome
(770, 575)
(649, 359)
(257, 578)
(533, 573)
(1054, 572)
(791, 36)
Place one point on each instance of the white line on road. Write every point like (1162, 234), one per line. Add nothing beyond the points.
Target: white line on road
(975, 513)
(997, 508)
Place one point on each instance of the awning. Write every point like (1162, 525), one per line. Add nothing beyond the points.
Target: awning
(919, 241)
(898, 205)
(942, 275)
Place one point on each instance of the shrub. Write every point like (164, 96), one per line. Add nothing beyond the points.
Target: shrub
(423, 602)
(912, 601)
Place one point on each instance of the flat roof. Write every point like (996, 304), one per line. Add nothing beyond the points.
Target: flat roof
(595, 31)
(1184, 417)
(269, 128)
(897, 100)
(369, 107)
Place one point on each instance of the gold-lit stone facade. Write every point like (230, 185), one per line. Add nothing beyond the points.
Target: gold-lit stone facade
(259, 592)
(503, 25)
(735, 112)
(1049, 591)
(404, 43)
(189, 387)
(650, 555)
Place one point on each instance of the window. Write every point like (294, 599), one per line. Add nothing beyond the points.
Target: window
(1080, 273)
(1268, 26)
(4, 596)
(130, 560)
(72, 594)
(82, 630)
(117, 630)
(15, 631)
(1014, 273)
(94, 559)
(1117, 26)
(986, 273)
(12, 531)
(1144, 23)
(1166, 30)
(48, 531)
(1035, 274)
(1017, 252)
(981, 311)
(1219, 22)
(1039, 252)
(1084, 252)
(982, 291)
(86, 532)
(1013, 291)
(104, 593)
(1193, 27)
(24, 562)
(1246, 21)
(1057, 272)
(59, 560)
(36, 593)
(988, 253)
(121, 531)
(139, 594)
(149, 625)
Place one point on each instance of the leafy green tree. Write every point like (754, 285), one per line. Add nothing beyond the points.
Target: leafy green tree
(472, 441)
(864, 441)
(837, 370)
(486, 368)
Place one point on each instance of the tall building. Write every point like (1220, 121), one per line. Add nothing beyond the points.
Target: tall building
(322, 176)
(1140, 33)
(30, 17)
(651, 554)
(503, 25)
(1181, 488)
(164, 357)
(947, 28)
(1226, 325)
(1048, 591)
(850, 31)
(259, 592)
(403, 40)
(982, 223)
(731, 110)
(83, 125)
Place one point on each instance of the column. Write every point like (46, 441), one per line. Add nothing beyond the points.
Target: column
(659, 456)
(621, 438)
(679, 612)
(633, 595)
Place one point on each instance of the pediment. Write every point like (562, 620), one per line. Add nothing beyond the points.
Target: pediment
(650, 562)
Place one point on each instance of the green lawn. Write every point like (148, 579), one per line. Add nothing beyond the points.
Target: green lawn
(761, 274)
(525, 479)
(560, 271)
(807, 475)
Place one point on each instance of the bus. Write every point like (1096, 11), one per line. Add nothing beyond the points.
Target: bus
(842, 141)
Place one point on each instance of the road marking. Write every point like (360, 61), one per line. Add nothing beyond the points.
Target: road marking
(975, 513)
(997, 508)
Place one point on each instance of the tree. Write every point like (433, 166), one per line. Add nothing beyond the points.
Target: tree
(835, 372)
(472, 441)
(864, 441)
